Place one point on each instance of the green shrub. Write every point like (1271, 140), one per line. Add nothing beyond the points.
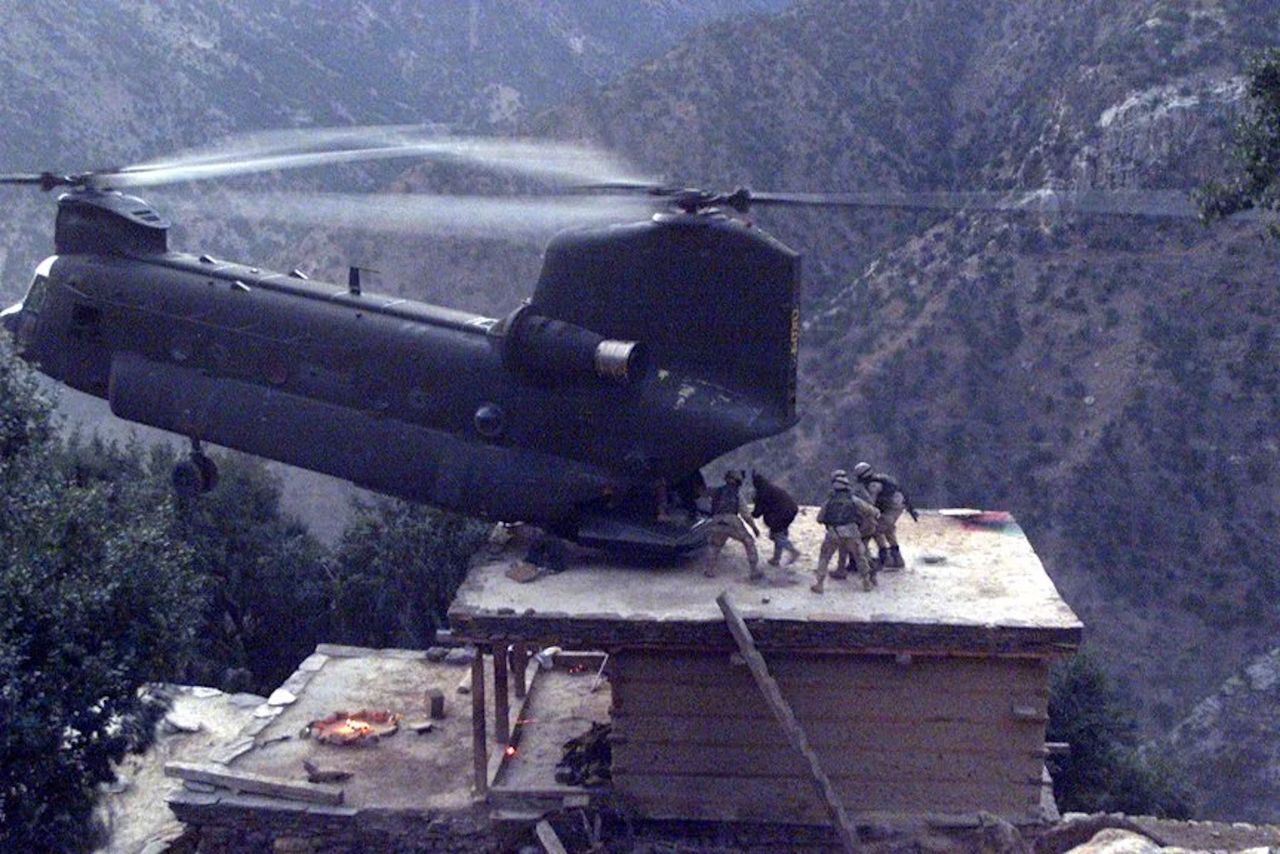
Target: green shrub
(1104, 772)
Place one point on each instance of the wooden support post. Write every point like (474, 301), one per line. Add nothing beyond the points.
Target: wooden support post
(519, 665)
(435, 703)
(479, 739)
(501, 699)
(787, 719)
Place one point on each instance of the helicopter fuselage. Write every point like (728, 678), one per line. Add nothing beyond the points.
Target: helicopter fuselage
(530, 417)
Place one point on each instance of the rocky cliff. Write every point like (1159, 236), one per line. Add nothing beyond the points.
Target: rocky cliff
(1228, 743)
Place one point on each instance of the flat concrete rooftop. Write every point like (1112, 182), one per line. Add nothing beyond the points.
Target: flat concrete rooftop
(972, 585)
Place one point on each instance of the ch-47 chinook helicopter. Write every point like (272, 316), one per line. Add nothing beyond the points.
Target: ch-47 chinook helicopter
(645, 351)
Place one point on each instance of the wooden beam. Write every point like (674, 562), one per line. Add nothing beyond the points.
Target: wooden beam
(519, 666)
(257, 784)
(547, 836)
(479, 741)
(501, 699)
(790, 726)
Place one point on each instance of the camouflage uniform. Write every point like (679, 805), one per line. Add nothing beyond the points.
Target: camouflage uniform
(868, 520)
(840, 514)
(890, 500)
(728, 509)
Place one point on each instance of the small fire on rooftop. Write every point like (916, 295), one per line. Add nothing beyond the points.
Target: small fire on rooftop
(352, 728)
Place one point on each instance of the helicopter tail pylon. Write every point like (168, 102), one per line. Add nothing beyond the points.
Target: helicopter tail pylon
(708, 297)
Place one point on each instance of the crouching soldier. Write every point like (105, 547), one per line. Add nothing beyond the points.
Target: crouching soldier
(839, 514)
(729, 521)
(890, 500)
(779, 510)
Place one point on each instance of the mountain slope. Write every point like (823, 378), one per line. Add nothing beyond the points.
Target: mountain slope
(90, 84)
(1111, 381)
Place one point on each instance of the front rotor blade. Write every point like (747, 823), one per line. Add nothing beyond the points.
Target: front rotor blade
(501, 217)
(550, 161)
(256, 144)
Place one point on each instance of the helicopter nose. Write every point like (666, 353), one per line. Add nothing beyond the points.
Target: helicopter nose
(9, 318)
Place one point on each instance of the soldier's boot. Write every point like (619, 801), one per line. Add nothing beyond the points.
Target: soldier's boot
(710, 571)
(777, 554)
(895, 558)
(816, 587)
(868, 581)
(756, 573)
(793, 553)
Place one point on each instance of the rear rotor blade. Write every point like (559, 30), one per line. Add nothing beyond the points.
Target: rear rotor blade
(1157, 204)
(1131, 203)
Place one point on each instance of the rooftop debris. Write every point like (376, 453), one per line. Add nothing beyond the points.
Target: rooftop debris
(588, 758)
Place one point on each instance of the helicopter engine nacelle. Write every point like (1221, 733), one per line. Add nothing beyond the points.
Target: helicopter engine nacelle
(554, 352)
(108, 222)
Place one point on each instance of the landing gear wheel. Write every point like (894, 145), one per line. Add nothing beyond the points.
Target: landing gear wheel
(208, 470)
(188, 482)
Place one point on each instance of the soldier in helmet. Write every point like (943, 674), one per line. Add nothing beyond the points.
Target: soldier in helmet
(890, 500)
(729, 521)
(840, 514)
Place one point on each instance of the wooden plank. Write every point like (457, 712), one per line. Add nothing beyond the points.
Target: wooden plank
(547, 836)
(737, 682)
(860, 734)
(592, 631)
(479, 740)
(854, 671)
(257, 784)
(786, 718)
(754, 799)
(733, 701)
(852, 679)
(781, 761)
(501, 699)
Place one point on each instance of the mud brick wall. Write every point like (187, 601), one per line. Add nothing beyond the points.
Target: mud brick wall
(933, 735)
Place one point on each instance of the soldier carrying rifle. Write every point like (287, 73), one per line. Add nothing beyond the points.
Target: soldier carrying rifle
(840, 514)
(890, 500)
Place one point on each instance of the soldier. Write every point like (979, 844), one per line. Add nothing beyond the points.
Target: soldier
(867, 524)
(840, 515)
(779, 510)
(890, 500)
(729, 521)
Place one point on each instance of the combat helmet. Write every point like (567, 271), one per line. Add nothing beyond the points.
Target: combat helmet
(840, 479)
(862, 470)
